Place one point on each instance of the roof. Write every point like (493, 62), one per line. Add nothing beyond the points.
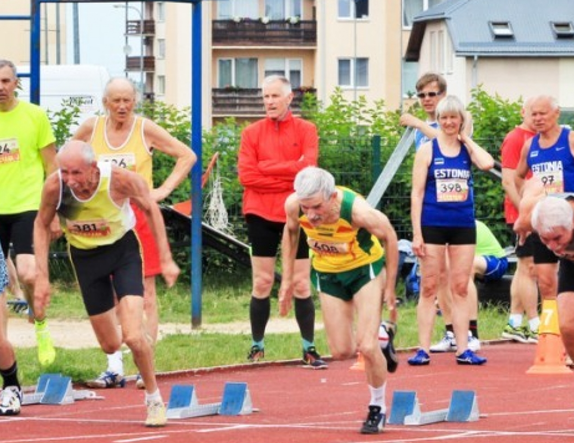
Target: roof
(469, 26)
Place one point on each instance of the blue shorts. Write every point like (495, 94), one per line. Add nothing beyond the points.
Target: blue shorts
(495, 267)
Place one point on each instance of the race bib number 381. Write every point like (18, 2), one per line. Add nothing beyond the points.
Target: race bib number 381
(451, 190)
(88, 228)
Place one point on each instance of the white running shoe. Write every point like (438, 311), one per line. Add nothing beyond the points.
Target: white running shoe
(10, 401)
(473, 343)
(446, 344)
(156, 415)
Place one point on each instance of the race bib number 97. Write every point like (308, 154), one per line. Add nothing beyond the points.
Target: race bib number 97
(553, 181)
(451, 190)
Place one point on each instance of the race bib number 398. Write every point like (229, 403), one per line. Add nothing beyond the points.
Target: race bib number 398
(451, 190)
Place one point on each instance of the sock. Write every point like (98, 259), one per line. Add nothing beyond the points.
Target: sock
(305, 316)
(259, 311)
(10, 376)
(449, 328)
(515, 320)
(154, 396)
(534, 323)
(378, 397)
(473, 328)
(116, 362)
(40, 325)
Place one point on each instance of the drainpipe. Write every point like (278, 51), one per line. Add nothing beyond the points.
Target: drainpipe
(474, 72)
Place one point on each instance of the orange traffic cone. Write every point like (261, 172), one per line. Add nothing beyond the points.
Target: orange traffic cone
(359, 365)
(550, 353)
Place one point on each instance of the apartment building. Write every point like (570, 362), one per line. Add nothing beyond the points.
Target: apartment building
(17, 32)
(355, 45)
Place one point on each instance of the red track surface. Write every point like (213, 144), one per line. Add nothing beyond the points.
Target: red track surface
(297, 405)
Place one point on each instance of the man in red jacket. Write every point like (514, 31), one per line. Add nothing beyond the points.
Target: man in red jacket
(273, 150)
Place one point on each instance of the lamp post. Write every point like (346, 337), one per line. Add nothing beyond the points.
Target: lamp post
(127, 49)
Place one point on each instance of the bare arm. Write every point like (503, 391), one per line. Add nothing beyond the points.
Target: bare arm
(522, 168)
(160, 139)
(533, 193)
(127, 184)
(479, 156)
(42, 236)
(415, 122)
(289, 244)
(419, 178)
(84, 132)
(509, 185)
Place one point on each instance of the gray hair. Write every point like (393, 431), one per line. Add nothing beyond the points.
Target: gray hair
(12, 66)
(86, 151)
(451, 104)
(551, 213)
(121, 80)
(312, 180)
(285, 83)
(544, 97)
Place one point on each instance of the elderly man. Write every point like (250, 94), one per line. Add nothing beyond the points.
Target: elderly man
(343, 231)
(273, 150)
(129, 141)
(92, 200)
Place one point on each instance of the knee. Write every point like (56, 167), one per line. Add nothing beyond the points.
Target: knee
(343, 354)
(262, 283)
(301, 287)
(110, 347)
(27, 276)
(136, 341)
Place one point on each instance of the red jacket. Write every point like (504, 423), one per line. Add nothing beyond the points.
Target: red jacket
(270, 156)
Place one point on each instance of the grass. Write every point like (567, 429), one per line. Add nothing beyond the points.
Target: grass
(225, 300)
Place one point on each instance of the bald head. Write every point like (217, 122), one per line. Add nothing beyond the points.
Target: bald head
(76, 150)
(120, 84)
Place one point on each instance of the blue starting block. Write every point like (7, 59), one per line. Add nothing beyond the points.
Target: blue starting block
(405, 409)
(183, 402)
(56, 389)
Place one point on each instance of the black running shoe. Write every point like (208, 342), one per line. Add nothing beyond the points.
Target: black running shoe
(255, 354)
(312, 359)
(389, 352)
(375, 421)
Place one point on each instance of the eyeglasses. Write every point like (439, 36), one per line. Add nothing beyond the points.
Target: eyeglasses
(428, 94)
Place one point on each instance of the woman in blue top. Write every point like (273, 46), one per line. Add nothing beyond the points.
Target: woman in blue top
(442, 213)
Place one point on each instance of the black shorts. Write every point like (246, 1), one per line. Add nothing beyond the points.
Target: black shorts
(265, 237)
(101, 271)
(542, 255)
(437, 235)
(527, 249)
(17, 229)
(566, 276)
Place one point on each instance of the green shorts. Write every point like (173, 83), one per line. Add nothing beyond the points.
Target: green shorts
(346, 284)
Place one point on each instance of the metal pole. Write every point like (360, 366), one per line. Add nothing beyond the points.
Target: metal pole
(35, 37)
(46, 36)
(58, 40)
(76, 20)
(143, 86)
(126, 40)
(196, 240)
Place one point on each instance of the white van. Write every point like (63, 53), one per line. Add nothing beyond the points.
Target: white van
(61, 85)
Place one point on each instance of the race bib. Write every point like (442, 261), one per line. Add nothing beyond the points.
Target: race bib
(9, 150)
(328, 248)
(126, 160)
(553, 181)
(451, 190)
(88, 228)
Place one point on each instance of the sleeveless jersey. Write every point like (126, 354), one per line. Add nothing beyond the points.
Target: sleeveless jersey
(420, 138)
(449, 197)
(340, 247)
(553, 165)
(96, 221)
(133, 154)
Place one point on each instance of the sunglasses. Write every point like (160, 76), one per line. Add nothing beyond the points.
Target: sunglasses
(428, 94)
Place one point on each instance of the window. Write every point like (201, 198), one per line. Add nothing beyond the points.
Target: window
(238, 72)
(441, 53)
(411, 8)
(501, 29)
(161, 84)
(281, 9)
(409, 78)
(290, 68)
(562, 29)
(160, 11)
(161, 48)
(354, 72)
(227, 9)
(353, 9)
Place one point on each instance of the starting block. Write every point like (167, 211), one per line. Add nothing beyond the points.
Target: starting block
(405, 409)
(56, 389)
(183, 402)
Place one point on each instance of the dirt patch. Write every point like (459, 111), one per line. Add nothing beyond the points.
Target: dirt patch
(79, 334)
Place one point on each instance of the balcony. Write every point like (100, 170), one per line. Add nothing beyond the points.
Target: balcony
(232, 101)
(251, 32)
(135, 63)
(134, 28)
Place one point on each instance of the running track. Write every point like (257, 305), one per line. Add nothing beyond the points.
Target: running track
(298, 405)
